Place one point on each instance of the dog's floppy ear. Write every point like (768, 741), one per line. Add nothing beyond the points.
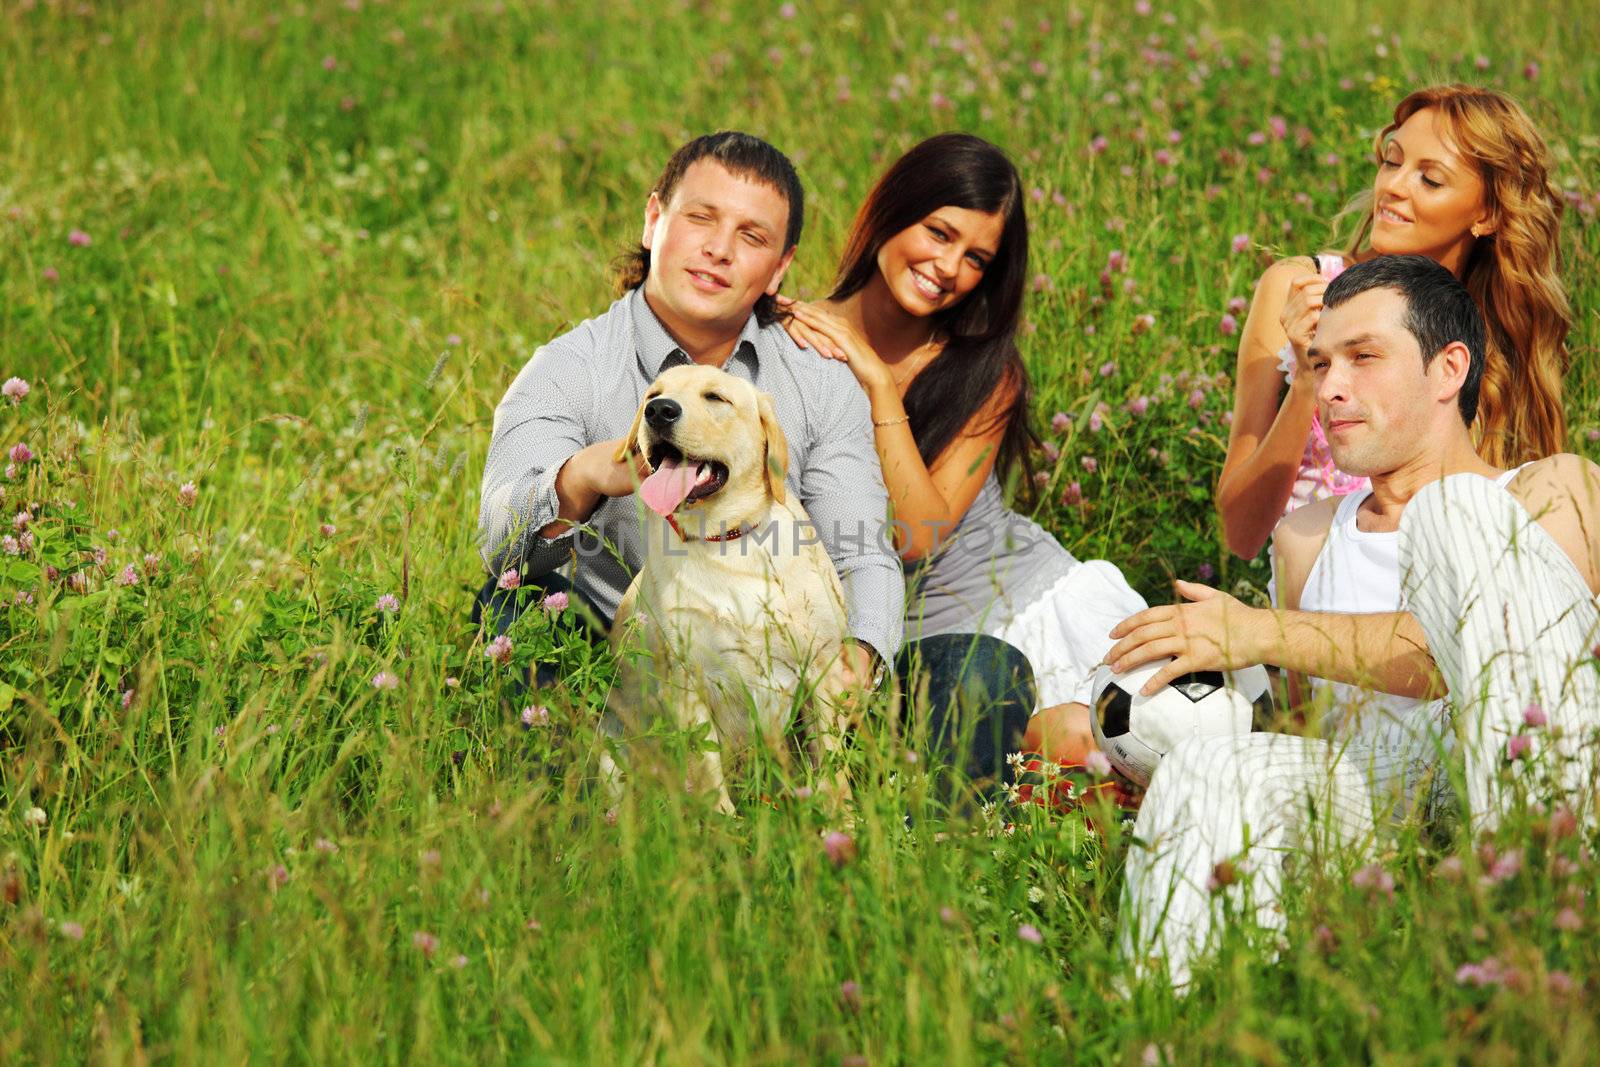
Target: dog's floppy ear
(777, 450)
(631, 442)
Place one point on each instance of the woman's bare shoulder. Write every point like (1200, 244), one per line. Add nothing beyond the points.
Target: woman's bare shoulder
(1305, 528)
(1283, 271)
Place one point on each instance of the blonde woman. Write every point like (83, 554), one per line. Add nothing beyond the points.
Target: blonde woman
(1463, 178)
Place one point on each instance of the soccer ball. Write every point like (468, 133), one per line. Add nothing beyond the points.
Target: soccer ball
(1136, 731)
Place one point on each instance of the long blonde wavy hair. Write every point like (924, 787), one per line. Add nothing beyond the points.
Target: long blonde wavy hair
(1513, 273)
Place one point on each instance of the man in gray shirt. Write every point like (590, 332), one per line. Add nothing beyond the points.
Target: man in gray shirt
(720, 231)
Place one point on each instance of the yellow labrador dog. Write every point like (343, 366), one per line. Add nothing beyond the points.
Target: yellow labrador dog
(737, 602)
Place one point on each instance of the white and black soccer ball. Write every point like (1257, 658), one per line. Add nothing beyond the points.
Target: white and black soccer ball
(1136, 731)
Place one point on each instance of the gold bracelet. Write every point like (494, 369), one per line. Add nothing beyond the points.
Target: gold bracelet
(891, 422)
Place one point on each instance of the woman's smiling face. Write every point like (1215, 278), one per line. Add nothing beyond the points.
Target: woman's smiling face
(933, 264)
(1426, 197)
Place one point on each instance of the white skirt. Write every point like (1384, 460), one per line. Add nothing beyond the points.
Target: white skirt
(1065, 631)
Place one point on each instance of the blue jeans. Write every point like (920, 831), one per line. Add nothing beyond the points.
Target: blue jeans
(979, 696)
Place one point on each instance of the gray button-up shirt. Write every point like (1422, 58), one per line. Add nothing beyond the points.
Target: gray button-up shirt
(586, 385)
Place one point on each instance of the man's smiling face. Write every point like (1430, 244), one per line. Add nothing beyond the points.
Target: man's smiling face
(715, 247)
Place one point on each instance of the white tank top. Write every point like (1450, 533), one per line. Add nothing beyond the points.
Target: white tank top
(1358, 573)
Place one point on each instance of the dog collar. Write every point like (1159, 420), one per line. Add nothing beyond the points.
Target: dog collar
(731, 535)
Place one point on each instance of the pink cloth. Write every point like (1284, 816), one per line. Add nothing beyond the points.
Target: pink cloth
(1318, 477)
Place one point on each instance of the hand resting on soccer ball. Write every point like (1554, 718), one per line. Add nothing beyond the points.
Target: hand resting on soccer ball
(1213, 632)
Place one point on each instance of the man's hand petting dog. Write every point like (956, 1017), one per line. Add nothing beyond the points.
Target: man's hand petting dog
(591, 474)
(1213, 632)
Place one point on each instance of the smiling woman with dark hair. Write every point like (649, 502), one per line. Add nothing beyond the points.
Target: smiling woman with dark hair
(925, 312)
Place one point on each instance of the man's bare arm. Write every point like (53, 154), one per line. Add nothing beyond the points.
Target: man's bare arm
(1386, 652)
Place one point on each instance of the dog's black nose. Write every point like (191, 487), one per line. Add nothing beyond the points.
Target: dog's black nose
(661, 412)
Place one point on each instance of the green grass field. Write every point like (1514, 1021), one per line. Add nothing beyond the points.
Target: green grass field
(293, 257)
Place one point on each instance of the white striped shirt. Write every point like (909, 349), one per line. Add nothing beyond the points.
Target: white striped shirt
(586, 385)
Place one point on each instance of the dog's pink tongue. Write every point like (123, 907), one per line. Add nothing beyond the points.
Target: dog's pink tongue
(665, 489)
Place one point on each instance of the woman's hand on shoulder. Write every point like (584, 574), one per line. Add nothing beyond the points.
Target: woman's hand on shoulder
(802, 335)
(831, 337)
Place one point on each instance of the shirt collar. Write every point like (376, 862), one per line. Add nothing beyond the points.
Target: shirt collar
(658, 351)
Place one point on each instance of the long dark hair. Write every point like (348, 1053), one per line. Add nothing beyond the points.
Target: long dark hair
(980, 351)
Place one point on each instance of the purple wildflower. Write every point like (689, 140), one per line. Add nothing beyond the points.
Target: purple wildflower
(839, 846)
(1504, 868)
(1490, 972)
(1374, 879)
(850, 996)
(499, 650)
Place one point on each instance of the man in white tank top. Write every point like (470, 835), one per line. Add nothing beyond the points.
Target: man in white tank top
(1451, 578)
(1342, 560)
